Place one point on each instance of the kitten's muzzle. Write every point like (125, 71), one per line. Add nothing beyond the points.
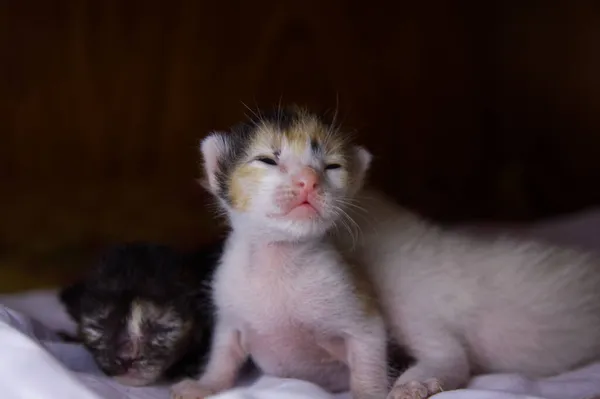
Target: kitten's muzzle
(133, 375)
(123, 365)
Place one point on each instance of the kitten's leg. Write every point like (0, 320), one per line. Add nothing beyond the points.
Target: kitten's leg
(366, 356)
(442, 364)
(224, 361)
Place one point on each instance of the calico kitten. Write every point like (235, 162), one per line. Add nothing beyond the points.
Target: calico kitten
(459, 305)
(284, 295)
(145, 311)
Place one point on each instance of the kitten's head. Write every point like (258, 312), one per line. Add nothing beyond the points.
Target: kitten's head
(135, 341)
(290, 174)
(139, 311)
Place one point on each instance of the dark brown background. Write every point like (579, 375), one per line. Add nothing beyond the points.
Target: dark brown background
(474, 111)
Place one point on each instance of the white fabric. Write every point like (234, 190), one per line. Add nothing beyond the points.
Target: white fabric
(34, 364)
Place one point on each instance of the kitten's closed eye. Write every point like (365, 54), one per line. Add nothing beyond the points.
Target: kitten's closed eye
(267, 160)
(162, 329)
(92, 333)
(333, 166)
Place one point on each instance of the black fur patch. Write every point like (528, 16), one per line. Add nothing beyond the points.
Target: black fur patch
(156, 274)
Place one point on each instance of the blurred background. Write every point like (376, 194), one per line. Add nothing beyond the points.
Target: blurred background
(473, 111)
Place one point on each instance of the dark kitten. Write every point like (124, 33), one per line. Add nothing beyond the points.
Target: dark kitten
(145, 311)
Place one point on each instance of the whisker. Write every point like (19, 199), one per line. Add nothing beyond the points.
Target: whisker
(260, 115)
(335, 112)
(358, 211)
(279, 109)
(356, 226)
(353, 204)
(353, 228)
(340, 218)
(251, 110)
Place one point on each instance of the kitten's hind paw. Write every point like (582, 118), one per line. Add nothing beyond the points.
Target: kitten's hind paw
(416, 389)
(190, 389)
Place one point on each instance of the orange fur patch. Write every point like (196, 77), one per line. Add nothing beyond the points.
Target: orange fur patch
(244, 181)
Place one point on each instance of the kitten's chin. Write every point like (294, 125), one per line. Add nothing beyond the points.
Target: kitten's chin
(133, 380)
(303, 213)
(303, 229)
(267, 227)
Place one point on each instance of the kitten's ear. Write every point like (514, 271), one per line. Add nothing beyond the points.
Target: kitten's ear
(213, 148)
(71, 298)
(363, 160)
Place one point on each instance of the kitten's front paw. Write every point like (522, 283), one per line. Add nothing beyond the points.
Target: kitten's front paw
(416, 389)
(190, 389)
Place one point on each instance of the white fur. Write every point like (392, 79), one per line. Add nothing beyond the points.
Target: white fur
(287, 305)
(285, 296)
(464, 306)
(213, 146)
(135, 320)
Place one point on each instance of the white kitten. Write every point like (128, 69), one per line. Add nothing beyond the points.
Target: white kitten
(283, 293)
(463, 306)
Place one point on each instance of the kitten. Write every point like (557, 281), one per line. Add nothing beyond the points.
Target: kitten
(462, 305)
(283, 293)
(145, 311)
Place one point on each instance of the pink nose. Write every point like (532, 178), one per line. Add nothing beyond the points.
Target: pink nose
(307, 179)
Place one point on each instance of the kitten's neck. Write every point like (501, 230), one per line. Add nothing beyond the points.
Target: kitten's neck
(266, 254)
(259, 238)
